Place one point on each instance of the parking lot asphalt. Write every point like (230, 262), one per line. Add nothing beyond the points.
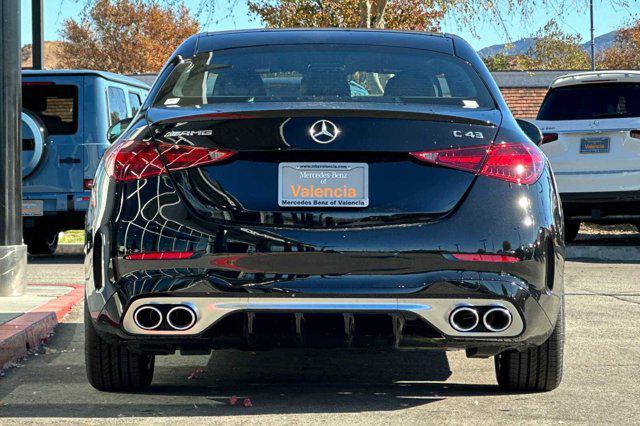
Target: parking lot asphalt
(601, 383)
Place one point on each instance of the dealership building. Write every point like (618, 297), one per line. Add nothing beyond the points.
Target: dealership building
(525, 90)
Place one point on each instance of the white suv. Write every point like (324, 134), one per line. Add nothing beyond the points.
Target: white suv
(591, 127)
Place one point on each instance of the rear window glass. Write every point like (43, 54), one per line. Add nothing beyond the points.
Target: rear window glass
(56, 105)
(135, 102)
(117, 105)
(592, 101)
(324, 73)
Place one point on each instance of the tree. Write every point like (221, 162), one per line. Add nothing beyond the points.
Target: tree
(402, 14)
(625, 51)
(552, 49)
(502, 61)
(395, 14)
(556, 50)
(125, 36)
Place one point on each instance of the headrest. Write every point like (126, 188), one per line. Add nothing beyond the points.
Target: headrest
(238, 83)
(325, 83)
(410, 85)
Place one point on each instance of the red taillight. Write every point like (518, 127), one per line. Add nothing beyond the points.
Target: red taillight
(87, 184)
(160, 255)
(549, 137)
(482, 257)
(513, 162)
(179, 157)
(635, 134)
(133, 160)
(465, 158)
(510, 161)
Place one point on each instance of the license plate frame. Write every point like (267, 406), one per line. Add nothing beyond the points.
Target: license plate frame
(328, 185)
(32, 208)
(595, 145)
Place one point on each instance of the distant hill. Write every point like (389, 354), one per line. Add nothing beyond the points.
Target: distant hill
(51, 55)
(521, 46)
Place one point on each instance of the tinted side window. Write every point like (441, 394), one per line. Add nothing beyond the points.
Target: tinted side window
(55, 104)
(117, 104)
(592, 101)
(135, 102)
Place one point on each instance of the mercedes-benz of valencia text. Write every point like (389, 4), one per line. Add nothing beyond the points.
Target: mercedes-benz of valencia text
(324, 188)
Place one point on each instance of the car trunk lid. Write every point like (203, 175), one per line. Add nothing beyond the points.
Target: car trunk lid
(247, 188)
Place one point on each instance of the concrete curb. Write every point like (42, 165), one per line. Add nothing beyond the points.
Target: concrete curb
(604, 253)
(70, 249)
(31, 329)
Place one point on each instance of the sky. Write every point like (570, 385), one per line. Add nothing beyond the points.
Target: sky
(236, 16)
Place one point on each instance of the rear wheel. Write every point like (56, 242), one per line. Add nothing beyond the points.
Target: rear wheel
(114, 368)
(537, 369)
(41, 242)
(571, 229)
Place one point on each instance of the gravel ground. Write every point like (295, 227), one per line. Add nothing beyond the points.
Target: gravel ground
(620, 235)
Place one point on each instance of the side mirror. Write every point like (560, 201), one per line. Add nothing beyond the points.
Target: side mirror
(117, 129)
(531, 130)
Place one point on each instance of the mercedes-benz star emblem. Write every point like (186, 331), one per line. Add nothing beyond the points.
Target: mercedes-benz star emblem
(324, 131)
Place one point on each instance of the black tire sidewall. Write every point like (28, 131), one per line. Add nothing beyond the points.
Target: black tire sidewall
(41, 242)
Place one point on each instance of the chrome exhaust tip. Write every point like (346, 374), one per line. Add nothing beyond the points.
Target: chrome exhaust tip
(497, 319)
(464, 319)
(147, 317)
(181, 318)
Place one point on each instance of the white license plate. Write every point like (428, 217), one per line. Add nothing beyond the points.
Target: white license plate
(32, 208)
(331, 185)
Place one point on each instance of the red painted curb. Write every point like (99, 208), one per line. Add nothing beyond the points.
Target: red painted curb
(62, 305)
(32, 328)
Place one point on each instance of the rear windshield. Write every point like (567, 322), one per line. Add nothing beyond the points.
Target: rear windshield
(324, 73)
(592, 101)
(56, 105)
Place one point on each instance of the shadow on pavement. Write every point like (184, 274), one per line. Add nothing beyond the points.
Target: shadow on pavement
(277, 382)
(55, 259)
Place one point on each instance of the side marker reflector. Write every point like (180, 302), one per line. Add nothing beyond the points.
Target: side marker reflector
(160, 255)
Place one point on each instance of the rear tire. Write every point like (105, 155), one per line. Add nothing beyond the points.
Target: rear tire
(537, 369)
(113, 368)
(571, 230)
(41, 242)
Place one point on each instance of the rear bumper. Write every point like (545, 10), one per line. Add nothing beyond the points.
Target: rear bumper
(403, 273)
(59, 221)
(61, 211)
(602, 206)
(264, 321)
(572, 181)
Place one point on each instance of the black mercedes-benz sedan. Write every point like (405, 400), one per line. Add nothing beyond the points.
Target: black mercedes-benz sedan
(324, 188)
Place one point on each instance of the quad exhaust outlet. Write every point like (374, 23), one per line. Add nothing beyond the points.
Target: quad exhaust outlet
(452, 317)
(497, 319)
(181, 318)
(464, 318)
(148, 317)
(467, 318)
(171, 318)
